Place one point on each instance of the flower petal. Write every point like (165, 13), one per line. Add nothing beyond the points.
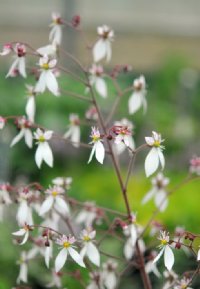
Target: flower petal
(18, 137)
(151, 162)
(31, 108)
(135, 102)
(39, 155)
(161, 158)
(52, 83)
(46, 205)
(92, 153)
(168, 258)
(101, 87)
(22, 66)
(148, 196)
(100, 152)
(60, 260)
(13, 67)
(28, 137)
(159, 255)
(93, 254)
(47, 154)
(76, 257)
(161, 200)
(61, 206)
(41, 84)
(99, 50)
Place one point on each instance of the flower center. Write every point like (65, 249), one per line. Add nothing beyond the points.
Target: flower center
(95, 138)
(45, 66)
(41, 138)
(66, 244)
(86, 238)
(156, 143)
(54, 193)
(163, 242)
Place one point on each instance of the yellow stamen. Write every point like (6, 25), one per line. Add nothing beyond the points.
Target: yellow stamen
(45, 66)
(54, 193)
(86, 238)
(156, 143)
(41, 139)
(66, 244)
(163, 242)
(95, 138)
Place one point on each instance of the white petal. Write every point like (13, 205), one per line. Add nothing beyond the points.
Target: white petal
(32, 253)
(18, 137)
(22, 213)
(31, 108)
(93, 254)
(83, 251)
(133, 234)
(75, 137)
(22, 66)
(101, 87)
(99, 152)
(21, 232)
(159, 255)
(151, 162)
(23, 273)
(129, 249)
(144, 103)
(161, 197)
(76, 257)
(25, 238)
(148, 196)
(135, 102)
(52, 83)
(92, 153)
(39, 155)
(47, 255)
(168, 258)
(99, 50)
(60, 260)
(41, 84)
(108, 51)
(13, 66)
(61, 206)
(46, 205)
(198, 255)
(47, 154)
(110, 280)
(161, 158)
(28, 137)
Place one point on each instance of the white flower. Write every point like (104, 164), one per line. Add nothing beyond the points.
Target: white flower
(67, 248)
(23, 232)
(63, 182)
(195, 165)
(123, 130)
(49, 50)
(96, 281)
(55, 35)
(87, 215)
(96, 80)
(91, 113)
(30, 105)
(24, 126)
(166, 250)
(23, 272)
(109, 274)
(158, 192)
(24, 213)
(43, 152)
(5, 199)
(102, 48)
(47, 79)
(73, 132)
(137, 99)
(7, 48)
(54, 199)
(98, 148)
(151, 266)
(2, 122)
(19, 62)
(155, 156)
(89, 249)
(183, 284)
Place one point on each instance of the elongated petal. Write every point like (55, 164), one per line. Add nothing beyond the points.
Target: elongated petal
(93, 254)
(47, 154)
(100, 152)
(75, 137)
(135, 102)
(161, 200)
(76, 257)
(198, 255)
(161, 158)
(22, 66)
(133, 232)
(61, 206)
(46, 205)
(159, 255)
(60, 260)
(99, 50)
(28, 137)
(168, 258)
(148, 196)
(47, 255)
(108, 51)
(18, 137)
(23, 273)
(13, 67)
(21, 232)
(101, 87)
(110, 280)
(31, 108)
(129, 249)
(83, 251)
(41, 84)
(25, 238)
(151, 162)
(52, 83)
(92, 153)
(39, 155)
(22, 213)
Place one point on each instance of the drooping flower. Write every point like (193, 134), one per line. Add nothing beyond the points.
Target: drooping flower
(2, 122)
(123, 131)
(151, 266)
(5, 199)
(24, 126)
(73, 132)
(96, 80)
(137, 99)
(155, 156)
(47, 78)
(23, 272)
(55, 35)
(158, 192)
(195, 165)
(24, 213)
(43, 152)
(7, 49)
(98, 148)
(67, 247)
(19, 62)
(166, 250)
(102, 48)
(87, 215)
(54, 199)
(23, 232)
(50, 50)
(64, 182)
(96, 280)
(109, 275)
(89, 249)
(30, 105)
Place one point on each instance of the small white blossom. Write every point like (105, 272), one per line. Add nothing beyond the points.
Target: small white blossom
(47, 78)
(30, 105)
(96, 80)
(54, 199)
(43, 152)
(166, 250)
(137, 99)
(24, 126)
(23, 272)
(151, 266)
(155, 156)
(102, 48)
(96, 281)
(183, 284)
(73, 132)
(109, 275)
(89, 249)
(98, 148)
(19, 62)
(66, 244)
(24, 213)
(7, 49)
(158, 192)
(87, 215)
(55, 35)
(23, 232)
(49, 50)
(63, 182)
(5, 199)
(170, 277)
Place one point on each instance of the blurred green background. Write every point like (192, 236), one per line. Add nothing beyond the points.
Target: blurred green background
(172, 75)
